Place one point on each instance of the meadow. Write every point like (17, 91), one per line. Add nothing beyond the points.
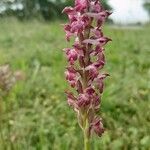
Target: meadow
(35, 114)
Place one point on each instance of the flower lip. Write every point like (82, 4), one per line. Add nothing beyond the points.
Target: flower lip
(100, 41)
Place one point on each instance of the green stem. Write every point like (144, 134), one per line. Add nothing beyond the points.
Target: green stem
(85, 85)
(86, 142)
(86, 135)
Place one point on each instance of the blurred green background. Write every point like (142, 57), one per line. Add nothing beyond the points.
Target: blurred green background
(34, 114)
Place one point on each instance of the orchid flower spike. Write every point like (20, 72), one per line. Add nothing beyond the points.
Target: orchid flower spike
(85, 60)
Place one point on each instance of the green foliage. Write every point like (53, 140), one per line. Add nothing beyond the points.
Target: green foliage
(48, 9)
(106, 5)
(147, 6)
(35, 116)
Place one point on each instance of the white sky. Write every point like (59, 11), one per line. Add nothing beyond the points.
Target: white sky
(128, 11)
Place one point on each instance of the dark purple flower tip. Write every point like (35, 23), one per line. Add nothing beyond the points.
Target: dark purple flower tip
(103, 76)
(104, 40)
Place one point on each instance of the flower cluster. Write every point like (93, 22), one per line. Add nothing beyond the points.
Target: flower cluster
(8, 78)
(85, 59)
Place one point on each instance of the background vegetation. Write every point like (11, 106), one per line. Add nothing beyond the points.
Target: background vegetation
(147, 6)
(35, 114)
(29, 9)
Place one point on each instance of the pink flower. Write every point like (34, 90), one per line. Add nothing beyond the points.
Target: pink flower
(95, 7)
(100, 82)
(97, 33)
(90, 90)
(72, 55)
(97, 126)
(71, 12)
(81, 5)
(83, 100)
(71, 76)
(71, 98)
(67, 29)
(79, 49)
(101, 16)
(93, 72)
(77, 26)
(98, 50)
(100, 41)
(88, 98)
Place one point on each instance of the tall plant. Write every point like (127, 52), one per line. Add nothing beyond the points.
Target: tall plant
(85, 60)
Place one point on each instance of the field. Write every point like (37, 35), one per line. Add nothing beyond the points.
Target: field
(35, 114)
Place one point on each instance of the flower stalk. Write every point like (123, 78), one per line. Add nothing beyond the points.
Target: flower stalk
(86, 135)
(85, 60)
